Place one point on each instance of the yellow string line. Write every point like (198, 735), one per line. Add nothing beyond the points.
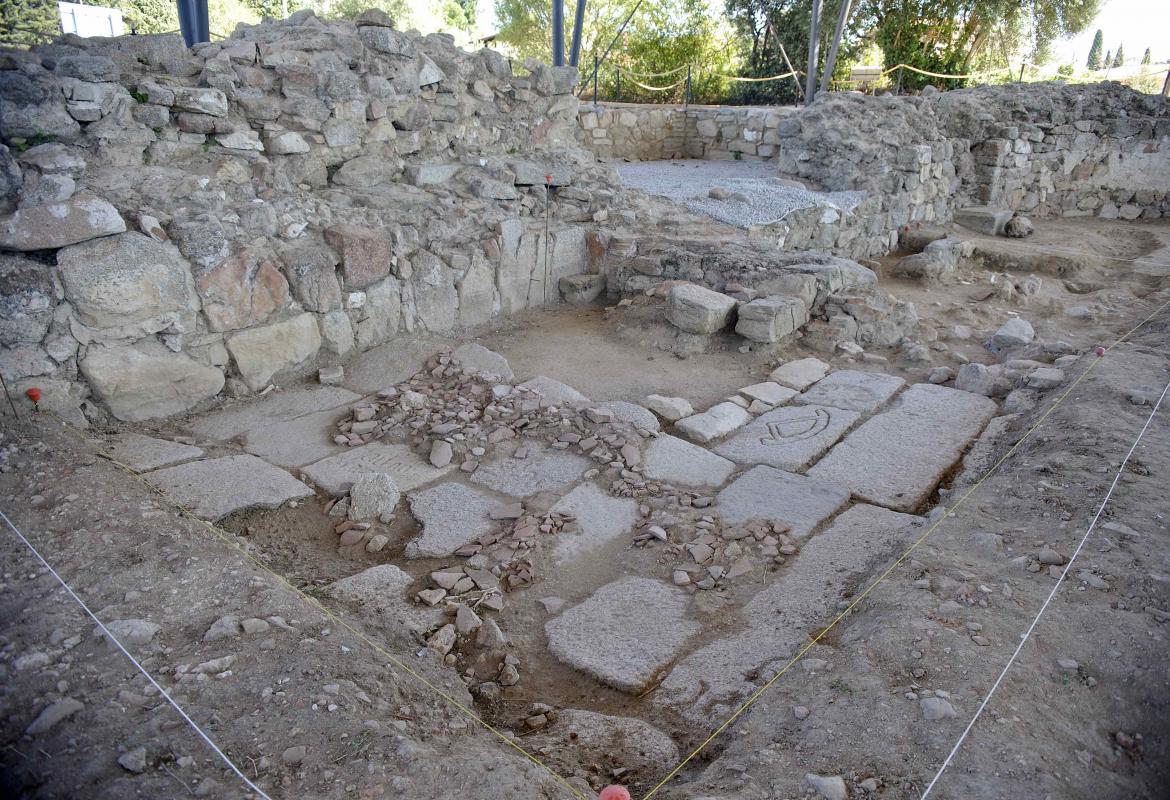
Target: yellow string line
(902, 558)
(658, 88)
(312, 601)
(756, 80)
(650, 74)
(940, 75)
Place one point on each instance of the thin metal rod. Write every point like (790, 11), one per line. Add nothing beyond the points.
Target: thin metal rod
(596, 64)
(838, 33)
(558, 33)
(787, 63)
(6, 394)
(578, 24)
(814, 32)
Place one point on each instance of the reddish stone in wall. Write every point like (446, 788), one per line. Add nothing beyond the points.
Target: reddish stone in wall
(242, 290)
(365, 254)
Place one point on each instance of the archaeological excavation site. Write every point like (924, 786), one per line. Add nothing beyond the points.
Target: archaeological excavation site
(389, 419)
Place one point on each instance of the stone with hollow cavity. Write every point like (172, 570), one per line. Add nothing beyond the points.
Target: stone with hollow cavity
(624, 633)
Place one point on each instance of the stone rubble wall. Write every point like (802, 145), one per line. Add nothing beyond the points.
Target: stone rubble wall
(1042, 149)
(174, 222)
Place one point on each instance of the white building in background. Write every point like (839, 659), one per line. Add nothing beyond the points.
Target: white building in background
(90, 20)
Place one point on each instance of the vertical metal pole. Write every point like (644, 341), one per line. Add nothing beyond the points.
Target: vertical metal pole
(578, 24)
(596, 66)
(618, 92)
(687, 91)
(898, 90)
(838, 32)
(814, 32)
(558, 33)
(1022, 72)
(1166, 85)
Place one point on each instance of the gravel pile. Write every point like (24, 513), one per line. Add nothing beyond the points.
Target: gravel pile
(757, 196)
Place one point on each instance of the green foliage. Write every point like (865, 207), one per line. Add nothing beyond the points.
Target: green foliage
(28, 22)
(1119, 56)
(1146, 57)
(1107, 62)
(1094, 61)
(348, 9)
(1066, 71)
(147, 16)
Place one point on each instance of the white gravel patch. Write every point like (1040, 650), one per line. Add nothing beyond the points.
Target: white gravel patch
(765, 198)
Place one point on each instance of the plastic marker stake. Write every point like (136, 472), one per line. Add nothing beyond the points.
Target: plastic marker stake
(1100, 351)
(614, 793)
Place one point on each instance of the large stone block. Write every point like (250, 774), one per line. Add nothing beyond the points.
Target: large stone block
(770, 319)
(600, 519)
(436, 300)
(898, 458)
(48, 227)
(336, 474)
(852, 390)
(543, 470)
(984, 219)
(260, 353)
(147, 380)
(451, 515)
(312, 272)
(765, 493)
(365, 253)
(27, 300)
(129, 285)
(624, 633)
(719, 420)
(243, 290)
(696, 309)
(381, 314)
(799, 374)
(215, 488)
(674, 461)
(789, 438)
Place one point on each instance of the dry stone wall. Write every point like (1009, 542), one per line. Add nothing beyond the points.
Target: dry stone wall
(176, 223)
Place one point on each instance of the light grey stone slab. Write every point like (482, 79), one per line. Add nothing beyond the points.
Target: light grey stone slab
(336, 474)
(634, 414)
(543, 470)
(625, 633)
(897, 458)
(712, 680)
(798, 501)
(789, 438)
(553, 391)
(768, 392)
(800, 374)
(384, 591)
(451, 515)
(227, 423)
(299, 441)
(672, 460)
(852, 390)
(478, 360)
(718, 420)
(696, 309)
(144, 453)
(214, 488)
(600, 519)
(670, 409)
(644, 748)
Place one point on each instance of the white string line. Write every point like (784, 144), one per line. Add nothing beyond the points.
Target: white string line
(133, 660)
(1051, 594)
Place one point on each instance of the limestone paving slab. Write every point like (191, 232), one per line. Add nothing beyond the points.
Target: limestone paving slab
(600, 519)
(789, 438)
(336, 474)
(672, 460)
(798, 501)
(227, 423)
(712, 680)
(451, 515)
(624, 633)
(897, 458)
(545, 469)
(384, 589)
(800, 374)
(553, 391)
(719, 420)
(852, 390)
(632, 413)
(145, 453)
(479, 360)
(214, 488)
(299, 441)
(768, 392)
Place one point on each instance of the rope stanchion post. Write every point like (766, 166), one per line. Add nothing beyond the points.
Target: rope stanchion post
(618, 87)
(596, 66)
(687, 91)
(898, 88)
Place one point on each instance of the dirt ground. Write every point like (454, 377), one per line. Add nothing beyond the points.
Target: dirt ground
(942, 625)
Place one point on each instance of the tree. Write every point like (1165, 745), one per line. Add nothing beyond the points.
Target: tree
(1119, 56)
(966, 36)
(28, 22)
(1094, 62)
(1107, 62)
(1146, 58)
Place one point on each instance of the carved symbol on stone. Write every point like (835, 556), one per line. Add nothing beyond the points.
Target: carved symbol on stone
(797, 428)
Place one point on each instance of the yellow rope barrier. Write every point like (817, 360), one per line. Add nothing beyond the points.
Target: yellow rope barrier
(947, 512)
(941, 75)
(757, 80)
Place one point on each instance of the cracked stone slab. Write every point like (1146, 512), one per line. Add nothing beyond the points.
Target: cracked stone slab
(800, 374)
(672, 460)
(632, 413)
(544, 470)
(719, 420)
(553, 391)
(600, 519)
(297, 442)
(214, 488)
(227, 423)
(712, 680)
(143, 453)
(625, 633)
(451, 515)
(789, 438)
(384, 590)
(852, 390)
(897, 458)
(798, 501)
(336, 474)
